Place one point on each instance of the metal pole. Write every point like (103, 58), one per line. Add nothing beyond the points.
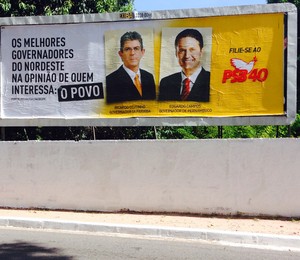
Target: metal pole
(94, 132)
(220, 132)
(155, 132)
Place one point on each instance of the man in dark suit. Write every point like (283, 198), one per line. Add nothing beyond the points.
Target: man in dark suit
(192, 83)
(129, 82)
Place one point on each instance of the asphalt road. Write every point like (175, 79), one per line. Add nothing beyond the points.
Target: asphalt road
(37, 244)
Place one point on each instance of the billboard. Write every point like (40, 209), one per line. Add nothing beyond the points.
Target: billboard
(182, 67)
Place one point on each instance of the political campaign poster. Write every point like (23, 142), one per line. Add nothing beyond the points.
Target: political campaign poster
(185, 67)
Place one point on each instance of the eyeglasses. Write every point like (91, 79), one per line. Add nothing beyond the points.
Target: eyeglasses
(129, 49)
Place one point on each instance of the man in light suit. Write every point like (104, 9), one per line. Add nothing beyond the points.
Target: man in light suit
(192, 83)
(129, 82)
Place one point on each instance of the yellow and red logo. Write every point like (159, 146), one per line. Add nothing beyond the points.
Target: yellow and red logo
(243, 71)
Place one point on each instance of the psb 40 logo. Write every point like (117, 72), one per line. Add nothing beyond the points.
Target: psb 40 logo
(244, 71)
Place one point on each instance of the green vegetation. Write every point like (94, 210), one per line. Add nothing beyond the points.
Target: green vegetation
(58, 7)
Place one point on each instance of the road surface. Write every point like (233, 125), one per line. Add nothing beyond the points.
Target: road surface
(40, 244)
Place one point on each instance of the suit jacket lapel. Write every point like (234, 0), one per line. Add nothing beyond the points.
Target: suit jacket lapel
(198, 87)
(131, 88)
(177, 86)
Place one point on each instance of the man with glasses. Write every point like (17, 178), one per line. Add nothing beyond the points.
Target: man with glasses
(129, 82)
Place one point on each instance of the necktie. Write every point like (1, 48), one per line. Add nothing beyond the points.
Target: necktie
(138, 84)
(186, 89)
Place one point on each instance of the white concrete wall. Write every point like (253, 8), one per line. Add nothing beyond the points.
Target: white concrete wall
(250, 176)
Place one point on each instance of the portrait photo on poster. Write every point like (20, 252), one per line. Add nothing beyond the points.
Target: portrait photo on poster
(185, 64)
(129, 63)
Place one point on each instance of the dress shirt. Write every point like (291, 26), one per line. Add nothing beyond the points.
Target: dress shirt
(132, 73)
(192, 78)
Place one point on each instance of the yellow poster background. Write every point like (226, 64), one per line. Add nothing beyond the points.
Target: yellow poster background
(257, 37)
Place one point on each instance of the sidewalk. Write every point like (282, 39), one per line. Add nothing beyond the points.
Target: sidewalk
(250, 231)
